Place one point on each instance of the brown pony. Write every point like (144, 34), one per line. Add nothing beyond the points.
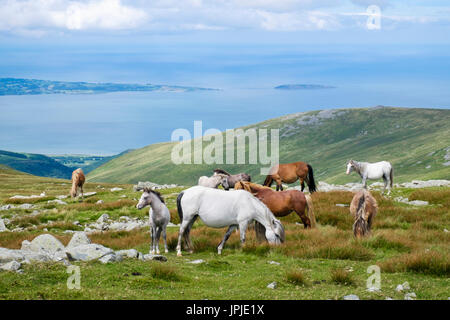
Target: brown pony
(282, 203)
(289, 173)
(363, 208)
(78, 180)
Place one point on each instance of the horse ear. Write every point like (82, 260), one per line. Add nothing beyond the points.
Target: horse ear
(146, 189)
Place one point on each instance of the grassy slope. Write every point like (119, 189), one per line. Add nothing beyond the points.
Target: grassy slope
(36, 164)
(402, 136)
(400, 233)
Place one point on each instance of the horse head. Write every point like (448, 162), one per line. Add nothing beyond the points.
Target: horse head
(275, 235)
(350, 166)
(224, 182)
(145, 199)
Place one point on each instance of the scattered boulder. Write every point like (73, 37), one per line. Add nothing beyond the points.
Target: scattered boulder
(198, 261)
(116, 189)
(79, 238)
(26, 206)
(2, 226)
(8, 255)
(413, 202)
(131, 253)
(156, 257)
(11, 266)
(410, 296)
(88, 252)
(89, 194)
(274, 262)
(103, 218)
(44, 244)
(141, 185)
(6, 207)
(57, 201)
(351, 297)
(272, 285)
(100, 202)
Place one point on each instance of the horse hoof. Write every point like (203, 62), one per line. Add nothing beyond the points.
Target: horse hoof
(166, 251)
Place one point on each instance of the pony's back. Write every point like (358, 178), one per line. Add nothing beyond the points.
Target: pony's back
(363, 208)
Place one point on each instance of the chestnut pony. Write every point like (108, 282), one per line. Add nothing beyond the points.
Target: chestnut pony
(282, 203)
(78, 180)
(363, 208)
(289, 173)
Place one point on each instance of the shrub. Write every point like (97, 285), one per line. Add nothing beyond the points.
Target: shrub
(342, 276)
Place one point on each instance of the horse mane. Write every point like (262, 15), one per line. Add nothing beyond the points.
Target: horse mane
(251, 184)
(363, 212)
(156, 193)
(222, 172)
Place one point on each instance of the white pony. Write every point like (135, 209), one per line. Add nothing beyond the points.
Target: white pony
(219, 208)
(211, 182)
(377, 170)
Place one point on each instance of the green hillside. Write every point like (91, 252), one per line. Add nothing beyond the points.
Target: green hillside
(35, 164)
(415, 141)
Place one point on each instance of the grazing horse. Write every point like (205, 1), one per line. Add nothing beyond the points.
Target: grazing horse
(211, 182)
(159, 217)
(219, 208)
(282, 203)
(78, 180)
(229, 181)
(377, 170)
(363, 208)
(289, 173)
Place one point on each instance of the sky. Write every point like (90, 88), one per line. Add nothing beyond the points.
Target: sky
(232, 20)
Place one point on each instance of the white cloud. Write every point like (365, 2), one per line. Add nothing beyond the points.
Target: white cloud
(71, 15)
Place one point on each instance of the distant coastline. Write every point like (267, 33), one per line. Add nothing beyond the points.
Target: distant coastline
(303, 87)
(16, 86)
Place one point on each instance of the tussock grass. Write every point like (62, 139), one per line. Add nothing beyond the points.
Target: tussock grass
(441, 196)
(122, 239)
(425, 262)
(296, 277)
(165, 272)
(342, 277)
(108, 206)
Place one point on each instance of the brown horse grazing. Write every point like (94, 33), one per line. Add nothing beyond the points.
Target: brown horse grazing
(289, 173)
(78, 180)
(282, 203)
(363, 207)
(230, 179)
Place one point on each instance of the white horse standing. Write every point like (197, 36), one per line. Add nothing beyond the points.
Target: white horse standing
(372, 171)
(219, 208)
(159, 217)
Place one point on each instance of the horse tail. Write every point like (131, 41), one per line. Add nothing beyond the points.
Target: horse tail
(310, 180)
(269, 180)
(361, 227)
(311, 216)
(180, 209)
(391, 176)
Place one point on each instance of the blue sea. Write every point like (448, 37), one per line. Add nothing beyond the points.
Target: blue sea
(106, 124)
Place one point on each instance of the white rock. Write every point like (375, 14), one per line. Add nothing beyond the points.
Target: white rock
(198, 261)
(44, 243)
(26, 206)
(116, 189)
(61, 197)
(79, 238)
(100, 202)
(6, 207)
(10, 266)
(399, 288)
(373, 289)
(272, 285)
(130, 253)
(110, 258)
(88, 252)
(57, 201)
(103, 218)
(88, 194)
(2, 226)
(274, 262)
(410, 296)
(405, 285)
(8, 255)
(157, 257)
(351, 297)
